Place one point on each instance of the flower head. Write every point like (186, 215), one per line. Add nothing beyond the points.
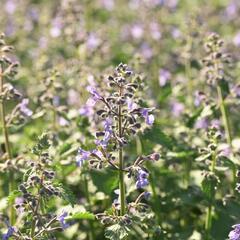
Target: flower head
(95, 95)
(9, 232)
(235, 233)
(62, 220)
(149, 118)
(82, 156)
(24, 109)
(142, 180)
(164, 77)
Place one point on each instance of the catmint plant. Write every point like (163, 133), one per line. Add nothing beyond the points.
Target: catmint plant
(16, 116)
(216, 76)
(39, 187)
(122, 112)
(50, 101)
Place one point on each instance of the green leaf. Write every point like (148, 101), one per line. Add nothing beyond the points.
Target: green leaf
(81, 215)
(12, 196)
(156, 135)
(43, 144)
(209, 185)
(203, 157)
(116, 232)
(224, 85)
(105, 180)
(67, 194)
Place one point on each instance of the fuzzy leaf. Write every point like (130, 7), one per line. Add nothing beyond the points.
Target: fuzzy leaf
(105, 180)
(67, 194)
(156, 135)
(116, 232)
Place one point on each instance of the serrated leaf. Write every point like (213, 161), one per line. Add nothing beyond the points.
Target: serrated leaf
(43, 144)
(67, 195)
(116, 232)
(81, 215)
(105, 180)
(156, 135)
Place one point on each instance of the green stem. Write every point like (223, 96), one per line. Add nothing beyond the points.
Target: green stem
(7, 145)
(226, 122)
(224, 116)
(121, 163)
(91, 234)
(208, 222)
(188, 74)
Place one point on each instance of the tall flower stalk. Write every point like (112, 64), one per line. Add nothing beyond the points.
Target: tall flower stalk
(7, 69)
(121, 115)
(216, 75)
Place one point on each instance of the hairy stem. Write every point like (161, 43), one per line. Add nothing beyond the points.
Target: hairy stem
(7, 145)
(208, 222)
(121, 164)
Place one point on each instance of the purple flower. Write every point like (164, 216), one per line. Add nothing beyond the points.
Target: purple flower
(97, 153)
(88, 110)
(108, 4)
(62, 220)
(177, 108)
(236, 40)
(201, 123)
(146, 51)
(176, 33)
(107, 133)
(93, 41)
(199, 98)
(10, 7)
(96, 96)
(154, 28)
(164, 77)
(231, 10)
(142, 180)
(216, 123)
(82, 156)
(56, 29)
(131, 104)
(9, 232)
(235, 233)
(24, 109)
(225, 151)
(147, 195)
(19, 201)
(63, 122)
(137, 31)
(149, 118)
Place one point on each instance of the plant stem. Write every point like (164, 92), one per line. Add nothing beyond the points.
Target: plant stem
(91, 234)
(7, 145)
(188, 74)
(226, 122)
(121, 164)
(208, 223)
(224, 116)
